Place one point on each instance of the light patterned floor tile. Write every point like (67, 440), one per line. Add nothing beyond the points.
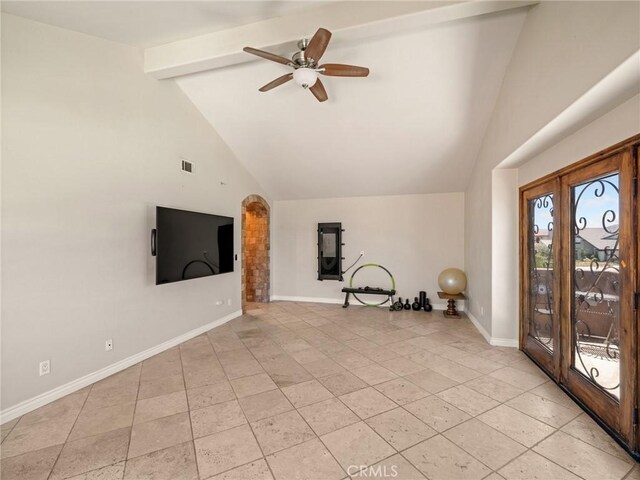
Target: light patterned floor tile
(532, 466)
(152, 388)
(439, 459)
(468, 400)
(395, 467)
(257, 470)
(162, 406)
(494, 388)
(91, 453)
(553, 392)
(307, 461)
(281, 431)
(402, 366)
(494, 476)
(68, 406)
(431, 381)
(110, 472)
(100, 420)
(522, 428)
(586, 429)
(491, 447)
(327, 416)
(437, 413)
(357, 444)
(323, 368)
(518, 378)
(252, 385)
(341, 383)
(400, 429)
(266, 404)
(401, 391)
(367, 402)
(34, 465)
(207, 395)
(223, 451)
(216, 418)
(379, 354)
(176, 462)
(581, 458)
(306, 393)
(478, 363)
(465, 407)
(39, 435)
(374, 374)
(159, 434)
(351, 360)
(543, 409)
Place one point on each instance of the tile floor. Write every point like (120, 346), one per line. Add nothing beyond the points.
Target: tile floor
(305, 391)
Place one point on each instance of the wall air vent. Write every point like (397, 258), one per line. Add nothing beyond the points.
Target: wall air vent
(187, 166)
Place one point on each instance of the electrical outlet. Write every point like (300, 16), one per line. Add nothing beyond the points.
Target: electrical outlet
(361, 252)
(229, 301)
(108, 345)
(482, 311)
(45, 367)
(219, 302)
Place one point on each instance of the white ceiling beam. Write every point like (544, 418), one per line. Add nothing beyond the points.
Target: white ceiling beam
(351, 20)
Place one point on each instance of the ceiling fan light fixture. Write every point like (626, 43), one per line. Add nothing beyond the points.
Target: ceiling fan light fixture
(305, 66)
(305, 77)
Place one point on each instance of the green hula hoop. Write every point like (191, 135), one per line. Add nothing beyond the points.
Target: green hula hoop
(393, 283)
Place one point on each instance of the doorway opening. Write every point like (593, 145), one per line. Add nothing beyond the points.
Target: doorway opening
(255, 250)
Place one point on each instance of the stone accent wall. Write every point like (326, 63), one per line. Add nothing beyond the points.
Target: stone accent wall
(255, 250)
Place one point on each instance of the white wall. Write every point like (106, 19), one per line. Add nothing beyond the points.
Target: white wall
(504, 257)
(90, 145)
(615, 126)
(564, 49)
(414, 236)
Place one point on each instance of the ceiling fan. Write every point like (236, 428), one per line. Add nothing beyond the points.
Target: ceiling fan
(305, 65)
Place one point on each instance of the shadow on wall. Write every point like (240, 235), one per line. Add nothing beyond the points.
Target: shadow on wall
(255, 250)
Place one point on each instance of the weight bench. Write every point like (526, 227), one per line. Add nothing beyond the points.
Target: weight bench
(369, 291)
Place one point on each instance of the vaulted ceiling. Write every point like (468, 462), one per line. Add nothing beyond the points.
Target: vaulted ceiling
(415, 125)
(148, 23)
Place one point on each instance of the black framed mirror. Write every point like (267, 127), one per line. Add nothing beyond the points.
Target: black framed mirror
(330, 251)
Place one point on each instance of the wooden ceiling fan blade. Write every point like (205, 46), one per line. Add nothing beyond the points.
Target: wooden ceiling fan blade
(318, 91)
(340, 70)
(318, 44)
(277, 82)
(269, 56)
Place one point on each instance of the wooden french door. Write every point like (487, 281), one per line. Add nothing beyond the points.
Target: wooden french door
(579, 276)
(540, 332)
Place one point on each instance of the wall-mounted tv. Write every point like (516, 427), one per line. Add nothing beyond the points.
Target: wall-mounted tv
(191, 245)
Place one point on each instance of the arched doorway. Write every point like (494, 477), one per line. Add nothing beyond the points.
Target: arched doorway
(255, 250)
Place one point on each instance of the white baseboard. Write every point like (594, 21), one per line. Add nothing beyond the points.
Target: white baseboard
(443, 307)
(496, 342)
(504, 342)
(479, 327)
(288, 298)
(38, 401)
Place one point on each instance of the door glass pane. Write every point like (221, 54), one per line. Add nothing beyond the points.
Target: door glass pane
(541, 314)
(596, 282)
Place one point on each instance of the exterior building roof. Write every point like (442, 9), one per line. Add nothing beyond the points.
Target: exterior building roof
(599, 237)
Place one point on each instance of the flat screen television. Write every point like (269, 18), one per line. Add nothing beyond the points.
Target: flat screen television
(191, 245)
